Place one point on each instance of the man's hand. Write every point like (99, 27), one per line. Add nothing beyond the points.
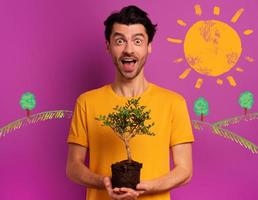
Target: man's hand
(120, 193)
(146, 187)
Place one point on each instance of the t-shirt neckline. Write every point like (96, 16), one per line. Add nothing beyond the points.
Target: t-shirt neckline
(143, 94)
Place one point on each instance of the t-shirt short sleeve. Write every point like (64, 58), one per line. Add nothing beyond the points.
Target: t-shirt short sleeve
(181, 124)
(78, 128)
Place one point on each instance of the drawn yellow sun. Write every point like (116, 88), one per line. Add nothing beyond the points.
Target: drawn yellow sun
(211, 47)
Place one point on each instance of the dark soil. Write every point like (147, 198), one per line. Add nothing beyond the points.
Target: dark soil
(126, 174)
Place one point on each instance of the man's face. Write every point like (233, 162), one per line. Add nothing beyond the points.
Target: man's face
(129, 49)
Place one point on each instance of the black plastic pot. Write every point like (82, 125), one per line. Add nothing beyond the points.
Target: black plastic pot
(126, 174)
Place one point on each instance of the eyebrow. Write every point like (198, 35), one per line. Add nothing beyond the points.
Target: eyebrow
(139, 34)
(135, 35)
(117, 34)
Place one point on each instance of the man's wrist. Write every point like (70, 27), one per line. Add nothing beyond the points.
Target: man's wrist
(101, 182)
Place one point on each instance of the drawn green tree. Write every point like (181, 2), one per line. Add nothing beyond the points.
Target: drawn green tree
(28, 102)
(246, 100)
(201, 107)
(128, 121)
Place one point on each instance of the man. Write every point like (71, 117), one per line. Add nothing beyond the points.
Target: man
(129, 34)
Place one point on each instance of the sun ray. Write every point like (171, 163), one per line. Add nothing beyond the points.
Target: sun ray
(231, 81)
(216, 10)
(248, 32)
(185, 73)
(249, 59)
(198, 10)
(237, 15)
(178, 60)
(173, 40)
(239, 69)
(181, 22)
(219, 81)
(198, 83)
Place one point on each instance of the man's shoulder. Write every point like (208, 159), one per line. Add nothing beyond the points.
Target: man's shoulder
(168, 94)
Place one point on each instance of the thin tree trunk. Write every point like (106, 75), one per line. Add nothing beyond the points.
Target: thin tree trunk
(202, 117)
(245, 111)
(27, 113)
(128, 151)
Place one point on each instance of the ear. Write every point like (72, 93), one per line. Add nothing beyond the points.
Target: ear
(107, 46)
(149, 48)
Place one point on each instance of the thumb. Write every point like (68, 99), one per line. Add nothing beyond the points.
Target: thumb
(107, 183)
(141, 186)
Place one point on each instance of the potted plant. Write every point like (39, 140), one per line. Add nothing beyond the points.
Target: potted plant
(127, 121)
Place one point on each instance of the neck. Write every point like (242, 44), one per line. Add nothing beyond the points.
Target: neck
(130, 88)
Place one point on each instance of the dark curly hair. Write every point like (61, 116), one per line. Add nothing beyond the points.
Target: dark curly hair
(130, 15)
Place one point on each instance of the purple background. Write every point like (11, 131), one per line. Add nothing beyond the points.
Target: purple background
(56, 49)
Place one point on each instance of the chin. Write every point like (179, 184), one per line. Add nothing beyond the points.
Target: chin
(130, 76)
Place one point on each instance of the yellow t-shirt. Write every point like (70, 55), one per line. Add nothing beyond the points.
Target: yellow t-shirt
(172, 126)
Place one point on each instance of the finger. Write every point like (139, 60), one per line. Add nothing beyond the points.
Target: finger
(117, 191)
(107, 182)
(140, 192)
(141, 186)
(124, 196)
(108, 185)
(130, 191)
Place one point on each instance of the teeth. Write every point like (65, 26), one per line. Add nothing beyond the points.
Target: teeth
(129, 60)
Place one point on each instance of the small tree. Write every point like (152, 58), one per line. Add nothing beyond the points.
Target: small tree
(201, 107)
(128, 121)
(28, 102)
(246, 100)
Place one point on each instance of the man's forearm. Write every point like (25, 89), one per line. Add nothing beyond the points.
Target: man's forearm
(176, 177)
(179, 175)
(81, 174)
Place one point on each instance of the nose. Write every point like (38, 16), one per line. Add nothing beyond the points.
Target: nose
(129, 48)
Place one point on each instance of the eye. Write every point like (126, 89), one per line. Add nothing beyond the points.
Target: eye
(138, 42)
(119, 41)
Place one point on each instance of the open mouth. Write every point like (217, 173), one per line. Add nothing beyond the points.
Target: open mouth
(128, 61)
